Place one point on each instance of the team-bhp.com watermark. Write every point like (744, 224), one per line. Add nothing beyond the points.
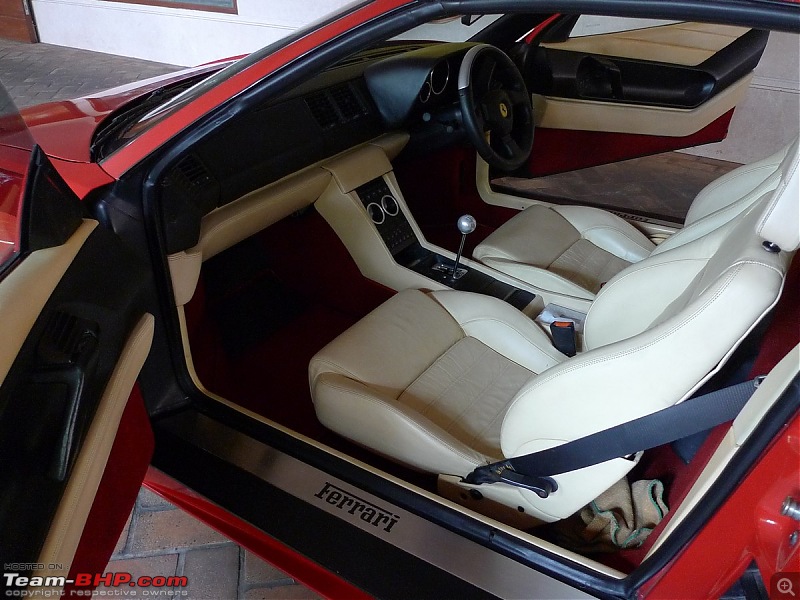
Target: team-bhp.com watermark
(17, 584)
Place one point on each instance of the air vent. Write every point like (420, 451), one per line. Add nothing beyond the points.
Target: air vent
(192, 172)
(322, 109)
(336, 106)
(189, 182)
(349, 105)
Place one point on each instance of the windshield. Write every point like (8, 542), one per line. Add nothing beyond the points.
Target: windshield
(454, 29)
(158, 111)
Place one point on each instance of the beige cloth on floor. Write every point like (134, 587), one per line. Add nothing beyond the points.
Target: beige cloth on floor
(621, 517)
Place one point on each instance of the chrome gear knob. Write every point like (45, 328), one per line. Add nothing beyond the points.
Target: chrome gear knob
(466, 224)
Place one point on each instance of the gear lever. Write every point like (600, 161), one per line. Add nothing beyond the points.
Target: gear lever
(466, 224)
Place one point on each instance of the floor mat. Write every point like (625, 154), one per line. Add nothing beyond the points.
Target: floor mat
(246, 299)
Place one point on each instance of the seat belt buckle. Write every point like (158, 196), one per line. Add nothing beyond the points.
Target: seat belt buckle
(564, 339)
(503, 472)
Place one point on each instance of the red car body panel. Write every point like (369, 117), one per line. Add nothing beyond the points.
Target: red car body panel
(14, 163)
(82, 178)
(748, 527)
(65, 129)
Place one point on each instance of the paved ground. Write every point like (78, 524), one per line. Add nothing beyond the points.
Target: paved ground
(37, 73)
(162, 540)
(159, 539)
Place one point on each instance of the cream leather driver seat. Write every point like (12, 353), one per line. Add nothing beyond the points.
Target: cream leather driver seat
(447, 381)
(574, 250)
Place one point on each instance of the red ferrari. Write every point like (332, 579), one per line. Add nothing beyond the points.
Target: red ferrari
(323, 298)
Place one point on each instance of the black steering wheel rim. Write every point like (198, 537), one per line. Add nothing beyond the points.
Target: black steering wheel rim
(495, 107)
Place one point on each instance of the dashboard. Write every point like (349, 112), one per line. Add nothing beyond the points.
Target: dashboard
(407, 86)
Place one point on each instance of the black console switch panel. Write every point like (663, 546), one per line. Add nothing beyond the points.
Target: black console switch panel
(385, 212)
(437, 267)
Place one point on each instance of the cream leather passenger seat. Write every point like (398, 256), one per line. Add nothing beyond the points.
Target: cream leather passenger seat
(447, 381)
(574, 250)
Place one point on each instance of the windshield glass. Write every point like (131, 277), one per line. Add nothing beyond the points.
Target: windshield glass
(169, 105)
(453, 29)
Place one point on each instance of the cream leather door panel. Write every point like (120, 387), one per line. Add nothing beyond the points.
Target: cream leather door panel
(635, 92)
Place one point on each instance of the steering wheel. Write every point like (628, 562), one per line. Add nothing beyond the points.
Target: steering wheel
(495, 107)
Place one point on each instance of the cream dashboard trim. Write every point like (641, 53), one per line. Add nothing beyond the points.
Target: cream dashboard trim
(593, 115)
(242, 218)
(25, 291)
(679, 44)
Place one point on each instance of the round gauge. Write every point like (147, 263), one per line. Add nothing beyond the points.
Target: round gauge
(439, 77)
(376, 213)
(390, 205)
(425, 92)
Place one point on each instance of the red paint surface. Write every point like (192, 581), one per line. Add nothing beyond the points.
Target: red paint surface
(271, 550)
(127, 464)
(82, 178)
(539, 29)
(749, 526)
(560, 150)
(64, 129)
(13, 167)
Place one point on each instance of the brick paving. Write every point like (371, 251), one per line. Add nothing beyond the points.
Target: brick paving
(159, 539)
(37, 73)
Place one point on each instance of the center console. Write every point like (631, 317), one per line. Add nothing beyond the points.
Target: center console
(396, 232)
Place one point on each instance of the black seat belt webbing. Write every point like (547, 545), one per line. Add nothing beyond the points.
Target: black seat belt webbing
(533, 471)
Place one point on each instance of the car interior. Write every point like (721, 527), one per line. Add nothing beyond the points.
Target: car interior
(357, 274)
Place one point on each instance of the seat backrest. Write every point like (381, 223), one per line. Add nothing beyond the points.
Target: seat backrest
(659, 329)
(727, 197)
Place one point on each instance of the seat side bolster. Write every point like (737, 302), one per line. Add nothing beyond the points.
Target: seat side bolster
(502, 327)
(620, 382)
(721, 192)
(608, 231)
(780, 221)
(375, 420)
(654, 285)
(720, 217)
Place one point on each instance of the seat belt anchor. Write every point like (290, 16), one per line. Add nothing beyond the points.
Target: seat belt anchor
(503, 472)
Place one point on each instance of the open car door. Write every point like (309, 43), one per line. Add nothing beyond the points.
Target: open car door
(608, 89)
(75, 438)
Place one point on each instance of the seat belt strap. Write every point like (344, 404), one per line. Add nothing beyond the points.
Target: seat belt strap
(534, 471)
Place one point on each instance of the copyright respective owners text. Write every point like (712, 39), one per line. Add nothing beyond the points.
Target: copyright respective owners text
(50, 581)
(785, 585)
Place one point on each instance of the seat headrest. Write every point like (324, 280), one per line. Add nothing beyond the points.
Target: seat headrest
(780, 222)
